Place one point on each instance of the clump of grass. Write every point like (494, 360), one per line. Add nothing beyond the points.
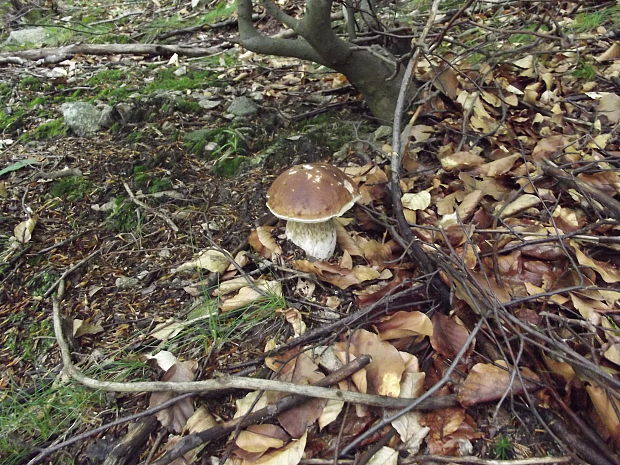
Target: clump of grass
(584, 71)
(33, 419)
(144, 180)
(502, 447)
(228, 152)
(587, 22)
(123, 216)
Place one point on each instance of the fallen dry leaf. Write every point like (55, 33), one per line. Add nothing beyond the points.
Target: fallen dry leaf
(486, 382)
(175, 417)
(23, 231)
(607, 271)
(210, 259)
(260, 438)
(607, 409)
(448, 335)
(404, 324)
(385, 371)
(461, 160)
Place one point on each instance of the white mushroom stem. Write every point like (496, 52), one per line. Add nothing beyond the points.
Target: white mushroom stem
(318, 240)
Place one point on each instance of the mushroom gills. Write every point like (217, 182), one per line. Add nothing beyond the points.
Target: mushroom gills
(318, 240)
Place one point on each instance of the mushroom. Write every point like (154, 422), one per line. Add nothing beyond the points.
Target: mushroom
(308, 197)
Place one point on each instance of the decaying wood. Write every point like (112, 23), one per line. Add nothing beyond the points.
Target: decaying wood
(131, 444)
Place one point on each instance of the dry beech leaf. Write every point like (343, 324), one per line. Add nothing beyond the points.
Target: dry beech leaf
(345, 241)
(447, 83)
(451, 431)
(408, 426)
(346, 261)
(297, 419)
(612, 53)
(487, 382)
(210, 259)
(82, 328)
(384, 456)
(330, 412)
(248, 295)
(549, 147)
(385, 371)
(461, 160)
(293, 316)
(562, 369)
(418, 201)
(260, 438)
(201, 420)
(469, 204)
(266, 242)
(607, 271)
(167, 330)
(252, 400)
(23, 231)
(498, 167)
(336, 275)
(607, 411)
(405, 324)
(523, 202)
(448, 336)
(176, 416)
(609, 107)
(291, 454)
(377, 253)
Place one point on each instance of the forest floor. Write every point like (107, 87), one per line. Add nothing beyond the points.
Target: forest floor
(510, 179)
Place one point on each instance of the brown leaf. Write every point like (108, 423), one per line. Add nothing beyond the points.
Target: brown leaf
(486, 382)
(607, 409)
(448, 335)
(404, 324)
(175, 417)
(461, 160)
(260, 438)
(607, 271)
(336, 275)
(385, 371)
(498, 167)
(549, 147)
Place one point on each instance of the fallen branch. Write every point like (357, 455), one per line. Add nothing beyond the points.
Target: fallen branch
(226, 381)
(58, 54)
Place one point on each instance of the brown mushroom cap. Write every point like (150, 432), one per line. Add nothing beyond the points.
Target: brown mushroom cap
(311, 193)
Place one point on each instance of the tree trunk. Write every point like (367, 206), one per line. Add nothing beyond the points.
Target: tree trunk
(373, 72)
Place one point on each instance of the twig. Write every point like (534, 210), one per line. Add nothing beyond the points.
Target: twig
(68, 272)
(479, 461)
(49, 450)
(141, 204)
(229, 382)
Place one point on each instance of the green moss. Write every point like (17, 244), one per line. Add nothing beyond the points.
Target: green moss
(11, 121)
(167, 80)
(123, 216)
(71, 188)
(108, 76)
(185, 105)
(45, 131)
(503, 448)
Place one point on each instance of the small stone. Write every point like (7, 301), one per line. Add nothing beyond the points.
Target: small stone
(383, 133)
(126, 282)
(242, 106)
(82, 118)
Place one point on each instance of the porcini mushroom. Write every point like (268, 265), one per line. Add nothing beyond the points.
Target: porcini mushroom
(309, 197)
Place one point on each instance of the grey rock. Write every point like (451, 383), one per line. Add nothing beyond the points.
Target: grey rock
(242, 106)
(383, 133)
(36, 36)
(108, 116)
(126, 282)
(82, 118)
